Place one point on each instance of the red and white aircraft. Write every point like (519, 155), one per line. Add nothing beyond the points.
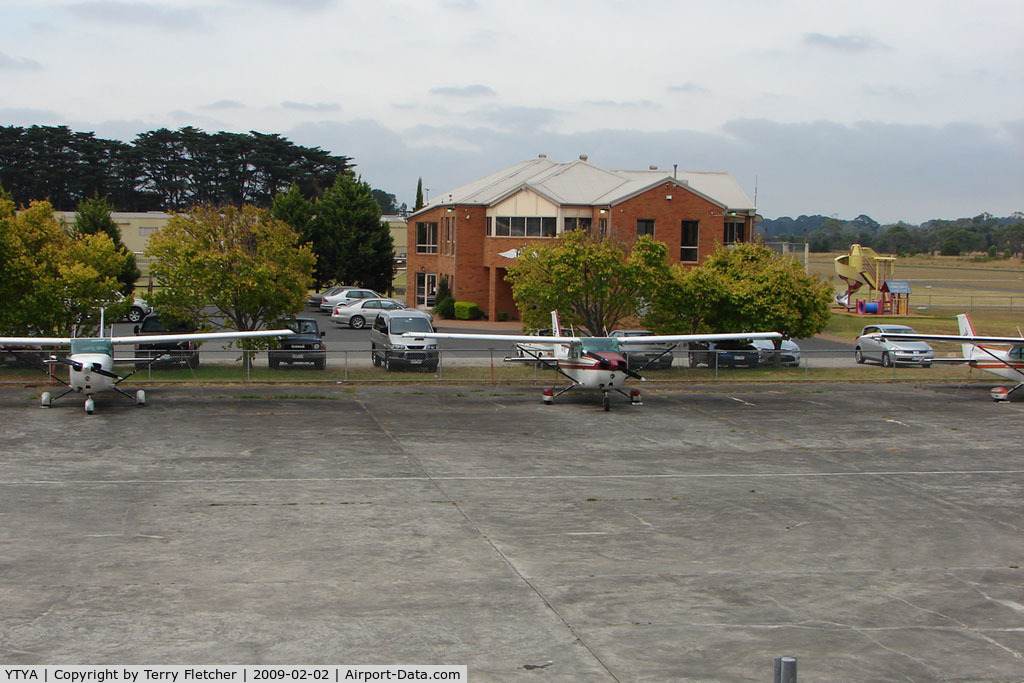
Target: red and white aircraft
(978, 353)
(588, 362)
(91, 361)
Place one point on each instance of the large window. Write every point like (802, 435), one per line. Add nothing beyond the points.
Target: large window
(644, 226)
(521, 226)
(426, 238)
(688, 251)
(733, 233)
(577, 223)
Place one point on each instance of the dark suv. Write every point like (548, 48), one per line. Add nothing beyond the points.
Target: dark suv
(181, 353)
(724, 354)
(305, 346)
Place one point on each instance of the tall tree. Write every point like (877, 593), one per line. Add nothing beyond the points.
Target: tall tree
(352, 245)
(93, 217)
(591, 282)
(419, 195)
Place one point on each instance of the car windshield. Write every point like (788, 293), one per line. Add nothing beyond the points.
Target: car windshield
(403, 325)
(88, 345)
(301, 326)
(600, 344)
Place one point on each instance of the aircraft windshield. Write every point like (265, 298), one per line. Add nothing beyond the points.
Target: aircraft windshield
(600, 344)
(87, 345)
(402, 325)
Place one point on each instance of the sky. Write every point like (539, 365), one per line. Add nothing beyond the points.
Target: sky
(898, 109)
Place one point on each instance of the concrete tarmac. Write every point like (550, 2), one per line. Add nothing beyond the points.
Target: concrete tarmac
(874, 532)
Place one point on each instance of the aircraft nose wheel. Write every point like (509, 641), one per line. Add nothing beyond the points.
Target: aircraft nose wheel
(90, 406)
(606, 401)
(140, 398)
(45, 399)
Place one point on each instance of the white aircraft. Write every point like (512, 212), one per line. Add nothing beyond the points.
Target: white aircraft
(978, 353)
(91, 361)
(588, 362)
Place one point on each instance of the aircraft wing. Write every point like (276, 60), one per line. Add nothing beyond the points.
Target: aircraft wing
(681, 338)
(954, 338)
(512, 338)
(198, 336)
(38, 341)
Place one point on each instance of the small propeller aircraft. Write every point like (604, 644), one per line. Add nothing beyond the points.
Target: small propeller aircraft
(978, 353)
(91, 361)
(588, 362)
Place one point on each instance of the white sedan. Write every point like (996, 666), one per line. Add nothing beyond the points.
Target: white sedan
(357, 314)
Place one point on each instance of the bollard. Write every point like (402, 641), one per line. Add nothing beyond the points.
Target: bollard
(785, 670)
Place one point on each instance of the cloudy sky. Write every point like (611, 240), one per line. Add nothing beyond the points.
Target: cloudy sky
(899, 109)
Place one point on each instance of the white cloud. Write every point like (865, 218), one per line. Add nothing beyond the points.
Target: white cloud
(9, 62)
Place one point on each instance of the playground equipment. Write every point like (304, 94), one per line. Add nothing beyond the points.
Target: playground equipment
(862, 266)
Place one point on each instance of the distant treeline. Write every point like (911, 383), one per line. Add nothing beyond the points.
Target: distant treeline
(160, 170)
(985, 234)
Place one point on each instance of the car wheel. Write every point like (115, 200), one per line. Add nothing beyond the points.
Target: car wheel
(388, 364)
(320, 363)
(357, 322)
(192, 360)
(135, 314)
(274, 364)
(858, 355)
(886, 360)
(926, 365)
(374, 357)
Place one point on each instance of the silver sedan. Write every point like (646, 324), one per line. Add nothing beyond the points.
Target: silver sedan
(359, 313)
(871, 345)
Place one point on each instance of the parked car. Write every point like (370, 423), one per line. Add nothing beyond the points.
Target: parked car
(789, 354)
(359, 313)
(179, 353)
(345, 297)
(389, 348)
(139, 310)
(724, 354)
(871, 346)
(639, 355)
(305, 346)
(21, 355)
(316, 298)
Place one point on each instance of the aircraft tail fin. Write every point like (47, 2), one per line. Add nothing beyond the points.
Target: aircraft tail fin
(966, 330)
(556, 325)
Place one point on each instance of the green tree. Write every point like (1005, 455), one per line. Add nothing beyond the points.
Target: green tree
(243, 263)
(352, 245)
(745, 288)
(93, 217)
(295, 210)
(593, 283)
(419, 195)
(54, 283)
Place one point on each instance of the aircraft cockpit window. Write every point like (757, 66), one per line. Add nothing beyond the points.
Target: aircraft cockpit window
(91, 345)
(597, 344)
(1017, 352)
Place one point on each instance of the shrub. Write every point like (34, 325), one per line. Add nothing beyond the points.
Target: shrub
(467, 310)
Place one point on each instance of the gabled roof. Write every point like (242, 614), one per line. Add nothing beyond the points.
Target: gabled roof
(580, 183)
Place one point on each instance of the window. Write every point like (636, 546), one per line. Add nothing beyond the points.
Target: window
(733, 233)
(688, 251)
(521, 226)
(426, 288)
(577, 223)
(604, 227)
(644, 226)
(426, 238)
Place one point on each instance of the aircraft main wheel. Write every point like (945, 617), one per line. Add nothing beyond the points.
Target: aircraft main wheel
(357, 322)
(858, 355)
(90, 406)
(140, 398)
(886, 360)
(45, 399)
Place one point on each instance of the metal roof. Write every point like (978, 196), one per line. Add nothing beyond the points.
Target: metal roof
(583, 184)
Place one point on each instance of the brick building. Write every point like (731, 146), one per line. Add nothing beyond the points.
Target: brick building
(470, 234)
